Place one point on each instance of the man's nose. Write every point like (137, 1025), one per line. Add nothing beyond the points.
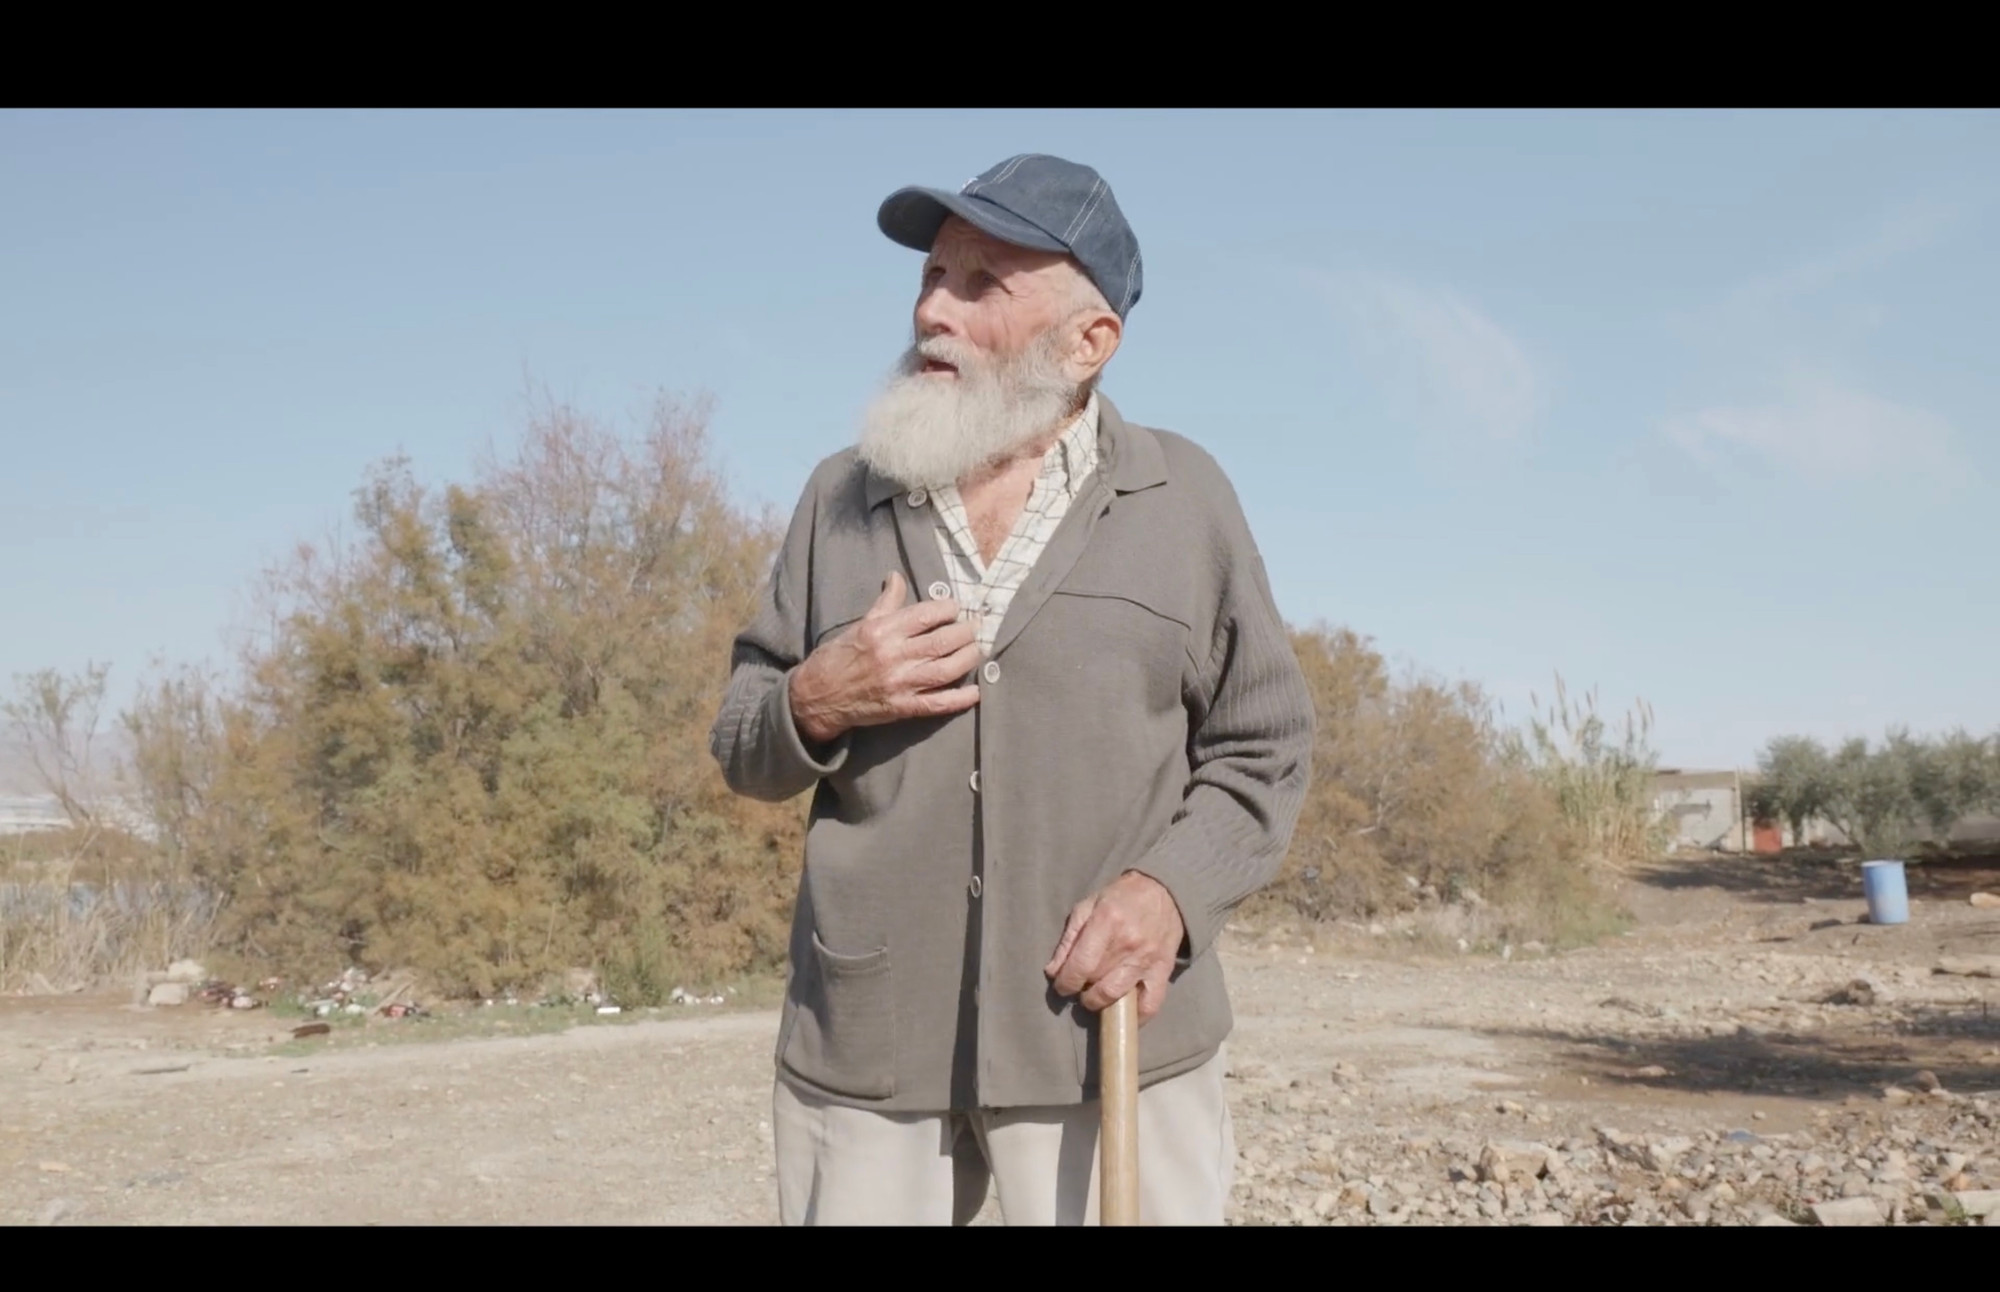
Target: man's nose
(935, 314)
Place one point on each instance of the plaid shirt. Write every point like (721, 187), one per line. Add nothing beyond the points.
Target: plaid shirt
(988, 591)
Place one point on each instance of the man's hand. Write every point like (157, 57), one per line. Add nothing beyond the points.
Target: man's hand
(1124, 938)
(894, 663)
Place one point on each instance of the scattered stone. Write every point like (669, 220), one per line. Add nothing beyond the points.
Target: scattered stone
(1896, 1096)
(1510, 1161)
(186, 971)
(1927, 1081)
(1978, 1202)
(1986, 901)
(1772, 1220)
(1848, 1212)
(168, 993)
(1859, 991)
(1970, 966)
(1665, 1153)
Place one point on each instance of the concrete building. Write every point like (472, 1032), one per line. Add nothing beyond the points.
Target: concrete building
(1705, 807)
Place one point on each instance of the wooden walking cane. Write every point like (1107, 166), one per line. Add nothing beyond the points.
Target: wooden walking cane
(1118, 1099)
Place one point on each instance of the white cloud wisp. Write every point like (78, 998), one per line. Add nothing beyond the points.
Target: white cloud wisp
(1455, 366)
(1823, 431)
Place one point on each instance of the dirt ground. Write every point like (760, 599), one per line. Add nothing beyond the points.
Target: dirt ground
(1366, 1080)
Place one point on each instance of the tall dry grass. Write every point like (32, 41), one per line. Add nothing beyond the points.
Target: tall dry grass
(79, 909)
(1600, 775)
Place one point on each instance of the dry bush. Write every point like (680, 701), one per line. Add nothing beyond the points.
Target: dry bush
(53, 720)
(1420, 801)
(473, 743)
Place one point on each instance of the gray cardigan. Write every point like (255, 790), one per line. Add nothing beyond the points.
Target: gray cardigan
(1142, 710)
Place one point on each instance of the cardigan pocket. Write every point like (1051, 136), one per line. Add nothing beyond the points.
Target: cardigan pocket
(843, 1034)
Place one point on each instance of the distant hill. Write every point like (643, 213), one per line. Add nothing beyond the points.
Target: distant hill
(17, 775)
(17, 772)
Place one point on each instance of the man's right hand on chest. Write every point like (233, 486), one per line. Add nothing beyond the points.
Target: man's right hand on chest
(895, 662)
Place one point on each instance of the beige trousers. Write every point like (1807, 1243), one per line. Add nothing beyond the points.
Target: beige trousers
(851, 1166)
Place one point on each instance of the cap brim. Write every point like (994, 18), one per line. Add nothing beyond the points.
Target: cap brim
(912, 216)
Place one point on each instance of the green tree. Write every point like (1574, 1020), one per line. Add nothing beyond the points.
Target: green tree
(1872, 796)
(1794, 782)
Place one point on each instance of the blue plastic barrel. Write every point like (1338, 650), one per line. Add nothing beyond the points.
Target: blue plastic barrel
(1888, 894)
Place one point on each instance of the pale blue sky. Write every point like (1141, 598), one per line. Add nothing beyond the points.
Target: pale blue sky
(1698, 407)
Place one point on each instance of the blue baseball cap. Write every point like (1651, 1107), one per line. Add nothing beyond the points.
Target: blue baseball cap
(1036, 201)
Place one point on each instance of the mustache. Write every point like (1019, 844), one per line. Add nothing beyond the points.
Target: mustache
(940, 349)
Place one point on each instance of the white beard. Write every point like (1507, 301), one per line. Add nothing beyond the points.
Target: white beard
(926, 432)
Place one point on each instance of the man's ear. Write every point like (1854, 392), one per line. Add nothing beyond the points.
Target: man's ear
(1097, 334)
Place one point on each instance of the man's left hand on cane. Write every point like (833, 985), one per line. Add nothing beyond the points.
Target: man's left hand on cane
(1125, 937)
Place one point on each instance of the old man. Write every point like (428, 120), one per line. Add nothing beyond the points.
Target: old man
(1024, 654)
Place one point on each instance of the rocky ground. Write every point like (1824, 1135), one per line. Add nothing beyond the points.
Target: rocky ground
(1751, 1052)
